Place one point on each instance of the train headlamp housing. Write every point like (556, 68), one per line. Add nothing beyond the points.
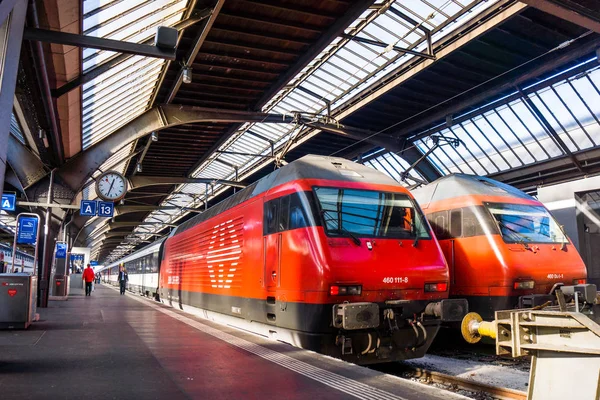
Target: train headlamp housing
(345, 290)
(436, 287)
(522, 285)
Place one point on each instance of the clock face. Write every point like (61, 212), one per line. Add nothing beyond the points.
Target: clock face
(111, 186)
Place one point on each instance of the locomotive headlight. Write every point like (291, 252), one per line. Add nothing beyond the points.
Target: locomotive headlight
(345, 290)
(524, 285)
(436, 287)
(579, 281)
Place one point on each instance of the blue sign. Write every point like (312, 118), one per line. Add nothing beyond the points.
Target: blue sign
(61, 250)
(87, 208)
(27, 230)
(76, 257)
(9, 202)
(94, 263)
(106, 209)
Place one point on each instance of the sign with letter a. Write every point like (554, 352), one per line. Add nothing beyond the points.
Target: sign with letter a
(87, 208)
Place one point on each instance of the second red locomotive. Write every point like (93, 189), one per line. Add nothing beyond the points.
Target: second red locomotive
(324, 254)
(503, 247)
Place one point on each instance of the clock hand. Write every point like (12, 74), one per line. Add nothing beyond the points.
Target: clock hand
(111, 185)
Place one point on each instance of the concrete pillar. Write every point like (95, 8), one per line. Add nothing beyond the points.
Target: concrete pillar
(11, 36)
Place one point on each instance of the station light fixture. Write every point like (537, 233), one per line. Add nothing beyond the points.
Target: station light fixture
(138, 167)
(187, 74)
(154, 137)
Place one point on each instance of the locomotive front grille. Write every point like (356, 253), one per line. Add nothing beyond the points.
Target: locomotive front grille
(352, 316)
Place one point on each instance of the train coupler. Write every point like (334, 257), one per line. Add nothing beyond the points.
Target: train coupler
(448, 310)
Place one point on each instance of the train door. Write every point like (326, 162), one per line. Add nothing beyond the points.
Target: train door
(272, 257)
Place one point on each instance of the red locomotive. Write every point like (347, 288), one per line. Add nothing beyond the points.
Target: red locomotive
(503, 247)
(324, 254)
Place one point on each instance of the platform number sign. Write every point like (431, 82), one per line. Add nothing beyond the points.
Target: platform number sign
(8, 202)
(106, 209)
(87, 208)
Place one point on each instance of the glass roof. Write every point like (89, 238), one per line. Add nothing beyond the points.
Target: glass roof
(15, 129)
(343, 69)
(123, 92)
(511, 136)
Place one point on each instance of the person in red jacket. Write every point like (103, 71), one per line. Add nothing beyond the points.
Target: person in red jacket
(88, 277)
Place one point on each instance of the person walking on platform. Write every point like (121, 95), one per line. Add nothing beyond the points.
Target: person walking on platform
(123, 278)
(88, 277)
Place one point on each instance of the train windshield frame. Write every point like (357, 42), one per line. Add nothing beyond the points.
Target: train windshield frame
(345, 212)
(526, 223)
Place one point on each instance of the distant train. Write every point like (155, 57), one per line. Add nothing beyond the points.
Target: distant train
(142, 269)
(23, 263)
(323, 253)
(503, 247)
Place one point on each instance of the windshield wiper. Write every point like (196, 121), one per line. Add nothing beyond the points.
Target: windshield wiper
(520, 237)
(340, 228)
(413, 226)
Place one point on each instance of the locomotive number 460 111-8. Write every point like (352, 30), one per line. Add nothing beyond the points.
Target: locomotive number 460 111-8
(395, 279)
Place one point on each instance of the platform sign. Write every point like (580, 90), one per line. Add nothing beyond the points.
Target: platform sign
(106, 209)
(87, 208)
(8, 202)
(61, 250)
(94, 263)
(27, 230)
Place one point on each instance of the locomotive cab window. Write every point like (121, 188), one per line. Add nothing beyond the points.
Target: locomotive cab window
(368, 213)
(520, 223)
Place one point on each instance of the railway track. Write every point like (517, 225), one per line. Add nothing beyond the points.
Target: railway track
(456, 384)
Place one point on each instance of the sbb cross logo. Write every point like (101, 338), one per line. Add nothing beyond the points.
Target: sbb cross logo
(4, 283)
(12, 292)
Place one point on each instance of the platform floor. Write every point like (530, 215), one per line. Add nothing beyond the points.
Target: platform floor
(109, 346)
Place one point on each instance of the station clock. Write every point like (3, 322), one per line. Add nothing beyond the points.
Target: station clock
(111, 186)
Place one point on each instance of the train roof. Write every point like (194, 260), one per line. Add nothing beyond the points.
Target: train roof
(459, 185)
(307, 167)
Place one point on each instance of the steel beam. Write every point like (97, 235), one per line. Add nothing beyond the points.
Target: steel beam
(77, 170)
(547, 64)
(441, 52)
(570, 11)
(71, 39)
(28, 168)
(136, 182)
(194, 52)
(6, 7)
(550, 130)
(377, 43)
(11, 33)
(110, 63)
(325, 38)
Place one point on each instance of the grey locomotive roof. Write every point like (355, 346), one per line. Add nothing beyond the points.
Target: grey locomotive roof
(457, 185)
(307, 167)
(322, 167)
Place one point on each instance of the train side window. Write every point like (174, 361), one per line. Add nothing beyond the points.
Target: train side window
(270, 217)
(298, 216)
(471, 225)
(440, 225)
(284, 213)
(456, 223)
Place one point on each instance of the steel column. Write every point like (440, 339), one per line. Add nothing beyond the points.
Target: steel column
(11, 36)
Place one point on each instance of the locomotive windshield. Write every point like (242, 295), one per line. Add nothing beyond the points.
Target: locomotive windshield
(367, 213)
(521, 223)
